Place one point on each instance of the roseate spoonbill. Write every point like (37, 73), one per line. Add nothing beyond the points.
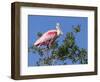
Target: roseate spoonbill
(49, 37)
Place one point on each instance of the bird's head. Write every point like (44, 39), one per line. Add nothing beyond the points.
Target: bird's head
(59, 32)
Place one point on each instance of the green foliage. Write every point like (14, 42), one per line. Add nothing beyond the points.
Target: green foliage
(76, 28)
(39, 34)
(67, 50)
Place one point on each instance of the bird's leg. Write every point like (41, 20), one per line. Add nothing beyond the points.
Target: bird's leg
(47, 46)
(51, 42)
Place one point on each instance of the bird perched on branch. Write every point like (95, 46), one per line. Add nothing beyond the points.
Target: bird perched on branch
(48, 38)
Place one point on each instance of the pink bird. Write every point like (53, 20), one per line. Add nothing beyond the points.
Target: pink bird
(49, 37)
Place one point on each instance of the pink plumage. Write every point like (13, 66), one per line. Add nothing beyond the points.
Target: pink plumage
(48, 37)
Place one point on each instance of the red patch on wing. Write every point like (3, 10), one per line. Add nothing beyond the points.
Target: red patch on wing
(52, 33)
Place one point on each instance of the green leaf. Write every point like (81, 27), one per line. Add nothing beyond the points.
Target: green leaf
(39, 34)
(77, 29)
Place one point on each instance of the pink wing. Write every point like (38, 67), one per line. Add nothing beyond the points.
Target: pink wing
(46, 37)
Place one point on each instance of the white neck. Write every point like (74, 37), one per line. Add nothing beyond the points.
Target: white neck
(58, 32)
(58, 29)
